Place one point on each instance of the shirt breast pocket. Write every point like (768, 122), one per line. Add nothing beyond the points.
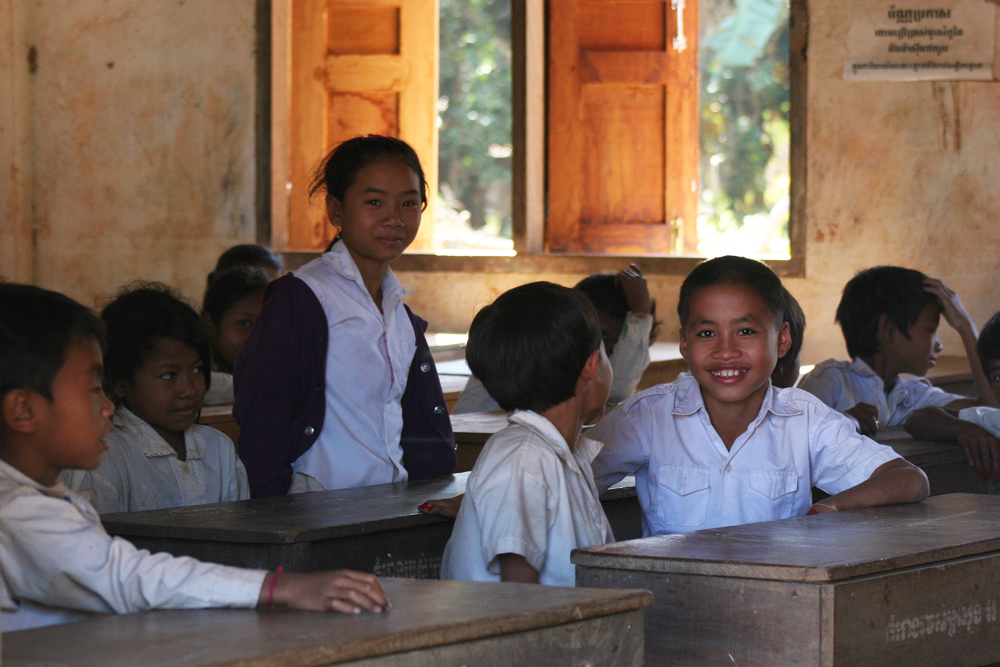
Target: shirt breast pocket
(775, 491)
(682, 495)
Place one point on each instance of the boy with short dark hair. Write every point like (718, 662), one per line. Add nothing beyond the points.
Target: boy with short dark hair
(889, 316)
(975, 428)
(531, 497)
(58, 563)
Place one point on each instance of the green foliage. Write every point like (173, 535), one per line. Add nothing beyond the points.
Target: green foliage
(744, 114)
(475, 102)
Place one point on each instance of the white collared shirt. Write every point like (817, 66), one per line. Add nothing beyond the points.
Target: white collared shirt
(687, 480)
(987, 418)
(844, 384)
(59, 564)
(140, 471)
(528, 494)
(367, 363)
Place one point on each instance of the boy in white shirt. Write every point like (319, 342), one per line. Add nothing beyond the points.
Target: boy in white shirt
(531, 498)
(721, 446)
(976, 429)
(889, 316)
(57, 564)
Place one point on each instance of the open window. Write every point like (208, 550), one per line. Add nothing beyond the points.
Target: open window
(606, 118)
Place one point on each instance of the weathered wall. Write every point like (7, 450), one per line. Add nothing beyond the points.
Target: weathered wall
(142, 163)
(142, 140)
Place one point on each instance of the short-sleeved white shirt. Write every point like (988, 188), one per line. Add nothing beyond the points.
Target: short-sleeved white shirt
(59, 565)
(988, 418)
(528, 494)
(140, 471)
(844, 384)
(687, 480)
(368, 361)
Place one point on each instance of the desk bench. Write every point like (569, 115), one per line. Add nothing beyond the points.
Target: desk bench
(373, 528)
(898, 585)
(431, 623)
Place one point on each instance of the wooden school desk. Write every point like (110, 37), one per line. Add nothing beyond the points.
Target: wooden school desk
(945, 464)
(372, 529)
(431, 623)
(898, 585)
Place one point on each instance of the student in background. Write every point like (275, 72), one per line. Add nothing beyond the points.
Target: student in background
(230, 308)
(530, 499)
(251, 256)
(786, 371)
(156, 371)
(336, 386)
(721, 447)
(976, 429)
(890, 316)
(627, 317)
(59, 564)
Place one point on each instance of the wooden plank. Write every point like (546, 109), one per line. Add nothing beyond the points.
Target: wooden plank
(425, 616)
(625, 67)
(701, 621)
(829, 547)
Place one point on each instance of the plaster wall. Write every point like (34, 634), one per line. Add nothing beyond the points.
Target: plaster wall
(140, 156)
(141, 124)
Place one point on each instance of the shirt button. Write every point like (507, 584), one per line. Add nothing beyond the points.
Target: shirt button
(425, 367)
(729, 468)
(438, 410)
(309, 430)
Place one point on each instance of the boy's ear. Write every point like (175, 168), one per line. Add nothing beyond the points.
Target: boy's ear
(887, 329)
(19, 412)
(590, 368)
(784, 339)
(683, 343)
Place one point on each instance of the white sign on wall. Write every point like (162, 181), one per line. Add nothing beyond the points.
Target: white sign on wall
(919, 40)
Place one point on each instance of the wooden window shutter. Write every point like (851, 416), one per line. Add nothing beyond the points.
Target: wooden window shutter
(359, 67)
(622, 128)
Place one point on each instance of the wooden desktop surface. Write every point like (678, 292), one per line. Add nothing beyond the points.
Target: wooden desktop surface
(431, 622)
(373, 528)
(826, 547)
(907, 585)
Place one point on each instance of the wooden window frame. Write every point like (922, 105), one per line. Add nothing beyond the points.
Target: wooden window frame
(528, 133)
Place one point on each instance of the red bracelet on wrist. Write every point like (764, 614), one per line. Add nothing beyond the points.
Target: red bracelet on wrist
(274, 581)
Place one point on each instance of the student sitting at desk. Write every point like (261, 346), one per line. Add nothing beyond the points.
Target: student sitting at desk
(229, 310)
(722, 447)
(628, 327)
(336, 386)
(530, 498)
(58, 563)
(975, 429)
(889, 316)
(157, 372)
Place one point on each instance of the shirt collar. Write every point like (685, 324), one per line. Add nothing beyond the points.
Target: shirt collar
(57, 490)
(151, 443)
(688, 399)
(859, 367)
(339, 259)
(585, 451)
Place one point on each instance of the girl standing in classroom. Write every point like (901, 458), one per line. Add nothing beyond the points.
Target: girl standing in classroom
(336, 387)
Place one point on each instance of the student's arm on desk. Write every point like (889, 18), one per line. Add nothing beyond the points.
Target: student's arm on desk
(515, 568)
(955, 315)
(343, 591)
(893, 482)
(981, 448)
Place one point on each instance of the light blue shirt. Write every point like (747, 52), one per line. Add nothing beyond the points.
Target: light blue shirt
(687, 480)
